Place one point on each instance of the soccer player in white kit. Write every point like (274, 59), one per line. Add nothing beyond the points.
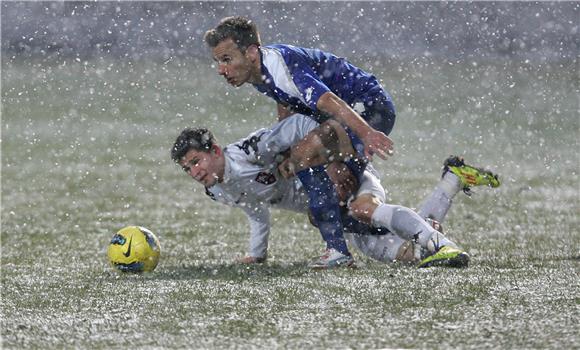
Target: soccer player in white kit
(245, 175)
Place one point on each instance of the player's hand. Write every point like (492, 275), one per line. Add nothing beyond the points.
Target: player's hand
(377, 143)
(287, 169)
(248, 260)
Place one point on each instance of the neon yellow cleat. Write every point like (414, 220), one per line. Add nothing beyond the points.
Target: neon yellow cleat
(446, 256)
(468, 175)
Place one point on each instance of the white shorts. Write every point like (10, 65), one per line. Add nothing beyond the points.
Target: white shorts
(371, 184)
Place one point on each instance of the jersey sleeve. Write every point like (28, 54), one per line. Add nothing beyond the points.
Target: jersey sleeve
(308, 83)
(264, 145)
(259, 219)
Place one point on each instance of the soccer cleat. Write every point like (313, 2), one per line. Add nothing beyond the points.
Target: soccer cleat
(468, 175)
(332, 258)
(446, 256)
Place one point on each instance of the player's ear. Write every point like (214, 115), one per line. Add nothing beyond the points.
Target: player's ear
(215, 149)
(252, 52)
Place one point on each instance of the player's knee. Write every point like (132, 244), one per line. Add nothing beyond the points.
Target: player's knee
(308, 151)
(334, 140)
(363, 207)
(343, 179)
(326, 134)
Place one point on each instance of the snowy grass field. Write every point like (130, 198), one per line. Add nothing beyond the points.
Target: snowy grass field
(85, 152)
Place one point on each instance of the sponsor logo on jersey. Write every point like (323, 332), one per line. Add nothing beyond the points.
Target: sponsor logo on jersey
(252, 142)
(265, 178)
(309, 92)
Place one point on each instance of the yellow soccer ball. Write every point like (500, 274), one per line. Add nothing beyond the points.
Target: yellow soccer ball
(134, 249)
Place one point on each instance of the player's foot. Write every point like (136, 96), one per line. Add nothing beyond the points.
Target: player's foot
(332, 258)
(249, 260)
(446, 256)
(468, 175)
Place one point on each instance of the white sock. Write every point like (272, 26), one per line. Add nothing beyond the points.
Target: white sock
(439, 201)
(382, 248)
(408, 225)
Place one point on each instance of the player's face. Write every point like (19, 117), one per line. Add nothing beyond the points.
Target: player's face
(234, 65)
(206, 168)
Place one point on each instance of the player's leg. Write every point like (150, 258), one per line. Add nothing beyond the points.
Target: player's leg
(381, 244)
(376, 243)
(320, 146)
(323, 196)
(379, 112)
(324, 207)
(385, 248)
(408, 225)
(345, 184)
(438, 203)
(329, 142)
(369, 208)
(323, 202)
(400, 220)
(456, 176)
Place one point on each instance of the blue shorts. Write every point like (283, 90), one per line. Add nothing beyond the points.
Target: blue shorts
(380, 116)
(379, 112)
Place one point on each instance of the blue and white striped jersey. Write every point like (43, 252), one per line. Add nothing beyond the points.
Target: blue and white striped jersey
(297, 77)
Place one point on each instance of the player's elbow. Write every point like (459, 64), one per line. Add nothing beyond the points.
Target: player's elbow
(328, 102)
(284, 112)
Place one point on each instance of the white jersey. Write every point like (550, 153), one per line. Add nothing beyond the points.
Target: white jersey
(252, 181)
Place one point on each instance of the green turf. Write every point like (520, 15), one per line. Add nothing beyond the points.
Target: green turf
(85, 152)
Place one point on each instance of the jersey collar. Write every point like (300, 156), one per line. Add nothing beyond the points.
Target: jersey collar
(227, 166)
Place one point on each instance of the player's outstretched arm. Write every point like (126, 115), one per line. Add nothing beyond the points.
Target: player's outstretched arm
(259, 219)
(375, 141)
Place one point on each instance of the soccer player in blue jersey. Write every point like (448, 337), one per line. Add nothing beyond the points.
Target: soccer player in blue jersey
(320, 85)
(307, 81)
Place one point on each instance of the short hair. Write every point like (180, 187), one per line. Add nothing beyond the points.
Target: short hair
(241, 30)
(199, 139)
